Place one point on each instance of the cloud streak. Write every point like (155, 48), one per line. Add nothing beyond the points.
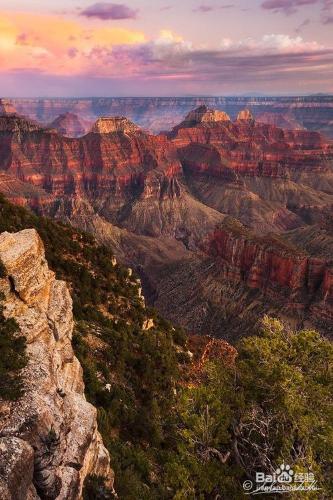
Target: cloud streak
(204, 8)
(303, 25)
(286, 6)
(109, 11)
(327, 12)
(289, 7)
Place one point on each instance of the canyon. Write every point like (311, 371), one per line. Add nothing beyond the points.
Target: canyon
(219, 216)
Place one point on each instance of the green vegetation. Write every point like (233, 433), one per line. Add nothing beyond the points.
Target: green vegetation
(12, 356)
(140, 365)
(273, 406)
(170, 437)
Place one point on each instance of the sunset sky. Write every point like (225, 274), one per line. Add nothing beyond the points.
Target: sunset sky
(161, 47)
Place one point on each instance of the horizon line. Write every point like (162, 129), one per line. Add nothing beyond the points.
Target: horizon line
(203, 96)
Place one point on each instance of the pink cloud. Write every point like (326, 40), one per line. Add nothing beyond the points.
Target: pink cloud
(109, 11)
(72, 52)
(274, 58)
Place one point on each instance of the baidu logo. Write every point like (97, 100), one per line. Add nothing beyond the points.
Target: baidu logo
(283, 480)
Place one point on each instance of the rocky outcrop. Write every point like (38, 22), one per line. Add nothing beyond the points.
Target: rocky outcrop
(6, 107)
(204, 114)
(17, 469)
(49, 441)
(18, 124)
(109, 125)
(246, 115)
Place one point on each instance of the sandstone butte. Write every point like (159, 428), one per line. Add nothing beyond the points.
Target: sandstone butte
(54, 400)
(108, 125)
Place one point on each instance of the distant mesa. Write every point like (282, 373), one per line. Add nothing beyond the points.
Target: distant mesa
(71, 125)
(204, 114)
(245, 115)
(6, 107)
(281, 120)
(109, 125)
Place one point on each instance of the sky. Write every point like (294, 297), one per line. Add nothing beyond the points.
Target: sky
(68, 48)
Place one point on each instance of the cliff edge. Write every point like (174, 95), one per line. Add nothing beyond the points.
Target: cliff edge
(49, 440)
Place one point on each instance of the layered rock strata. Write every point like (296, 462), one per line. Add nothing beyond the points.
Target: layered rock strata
(281, 272)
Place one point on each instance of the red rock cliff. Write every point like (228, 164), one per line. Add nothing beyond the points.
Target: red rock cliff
(248, 147)
(282, 273)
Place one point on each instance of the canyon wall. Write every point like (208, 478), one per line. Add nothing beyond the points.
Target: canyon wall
(281, 272)
(49, 441)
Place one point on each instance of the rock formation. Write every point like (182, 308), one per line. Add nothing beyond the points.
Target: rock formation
(18, 124)
(71, 125)
(6, 107)
(49, 441)
(204, 114)
(280, 120)
(108, 125)
(246, 115)
(280, 271)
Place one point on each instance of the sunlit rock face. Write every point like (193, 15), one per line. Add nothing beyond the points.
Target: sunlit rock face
(204, 114)
(246, 115)
(49, 438)
(6, 107)
(108, 125)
